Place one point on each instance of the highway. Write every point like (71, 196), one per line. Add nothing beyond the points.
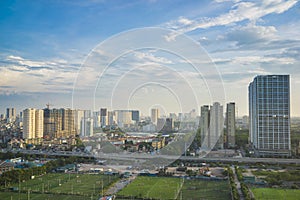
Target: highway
(145, 156)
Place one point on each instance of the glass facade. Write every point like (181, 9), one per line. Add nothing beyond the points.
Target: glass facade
(269, 112)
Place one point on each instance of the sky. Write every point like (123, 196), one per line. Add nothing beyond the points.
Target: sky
(175, 55)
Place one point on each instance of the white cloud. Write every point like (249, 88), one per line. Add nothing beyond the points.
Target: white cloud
(241, 11)
(33, 63)
(184, 21)
(25, 75)
(221, 1)
(255, 60)
(145, 56)
(263, 59)
(11, 57)
(251, 34)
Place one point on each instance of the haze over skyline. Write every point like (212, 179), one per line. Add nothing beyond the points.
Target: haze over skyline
(43, 45)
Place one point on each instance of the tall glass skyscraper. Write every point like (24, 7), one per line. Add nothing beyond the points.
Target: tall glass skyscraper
(269, 114)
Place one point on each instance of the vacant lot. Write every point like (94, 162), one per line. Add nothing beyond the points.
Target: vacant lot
(274, 193)
(60, 186)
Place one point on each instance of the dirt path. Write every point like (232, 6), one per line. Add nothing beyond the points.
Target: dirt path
(119, 185)
(238, 184)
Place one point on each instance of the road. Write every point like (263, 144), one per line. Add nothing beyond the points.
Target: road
(145, 156)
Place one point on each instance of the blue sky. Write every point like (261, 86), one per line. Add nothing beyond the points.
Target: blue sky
(45, 46)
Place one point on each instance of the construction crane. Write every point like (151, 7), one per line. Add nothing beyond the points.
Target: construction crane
(48, 105)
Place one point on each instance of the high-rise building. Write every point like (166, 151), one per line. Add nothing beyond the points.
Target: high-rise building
(111, 118)
(269, 114)
(52, 122)
(165, 125)
(103, 117)
(230, 125)
(10, 114)
(39, 123)
(97, 119)
(216, 124)
(79, 114)
(86, 127)
(59, 123)
(86, 123)
(173, 116)
(135, 115)
(204, 127)
(154, 115)
(123, 117)
(211, 126)
(68, 123)
(33, 123)
(29, 123)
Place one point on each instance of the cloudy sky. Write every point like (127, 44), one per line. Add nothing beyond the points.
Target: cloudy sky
(97, 53)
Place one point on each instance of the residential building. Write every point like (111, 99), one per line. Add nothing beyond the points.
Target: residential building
(216, 124)
(10, 114)
(158, 143)
(204, 127)
(124, 118)
(97, 119)
(165, 125)
(211, 126)
(86, 127)
(86, 124)
(111, 118)
(68, 123)
(269, 115)
(103, 117)
(59, 123)
(52, 123)
(135, 115)
(79, 115)
(230, 125)
(33, 121)
(154, 115)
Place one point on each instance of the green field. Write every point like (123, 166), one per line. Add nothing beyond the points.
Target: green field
(152, 187)
(203, 189)
(175, 188)
(25, 196)
(60, 186)
(274, 194)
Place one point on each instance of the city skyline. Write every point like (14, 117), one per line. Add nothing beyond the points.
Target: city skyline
(43, 46)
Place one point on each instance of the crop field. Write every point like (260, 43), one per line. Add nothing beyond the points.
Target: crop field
(275, 193)
(60, 186)
(175, 188)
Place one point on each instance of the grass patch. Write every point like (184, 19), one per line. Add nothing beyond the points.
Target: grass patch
(24, 196)
(172, 188)
(152, 187)
(60, 186)
(274, 193)
(275, 177)
(203, 189)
